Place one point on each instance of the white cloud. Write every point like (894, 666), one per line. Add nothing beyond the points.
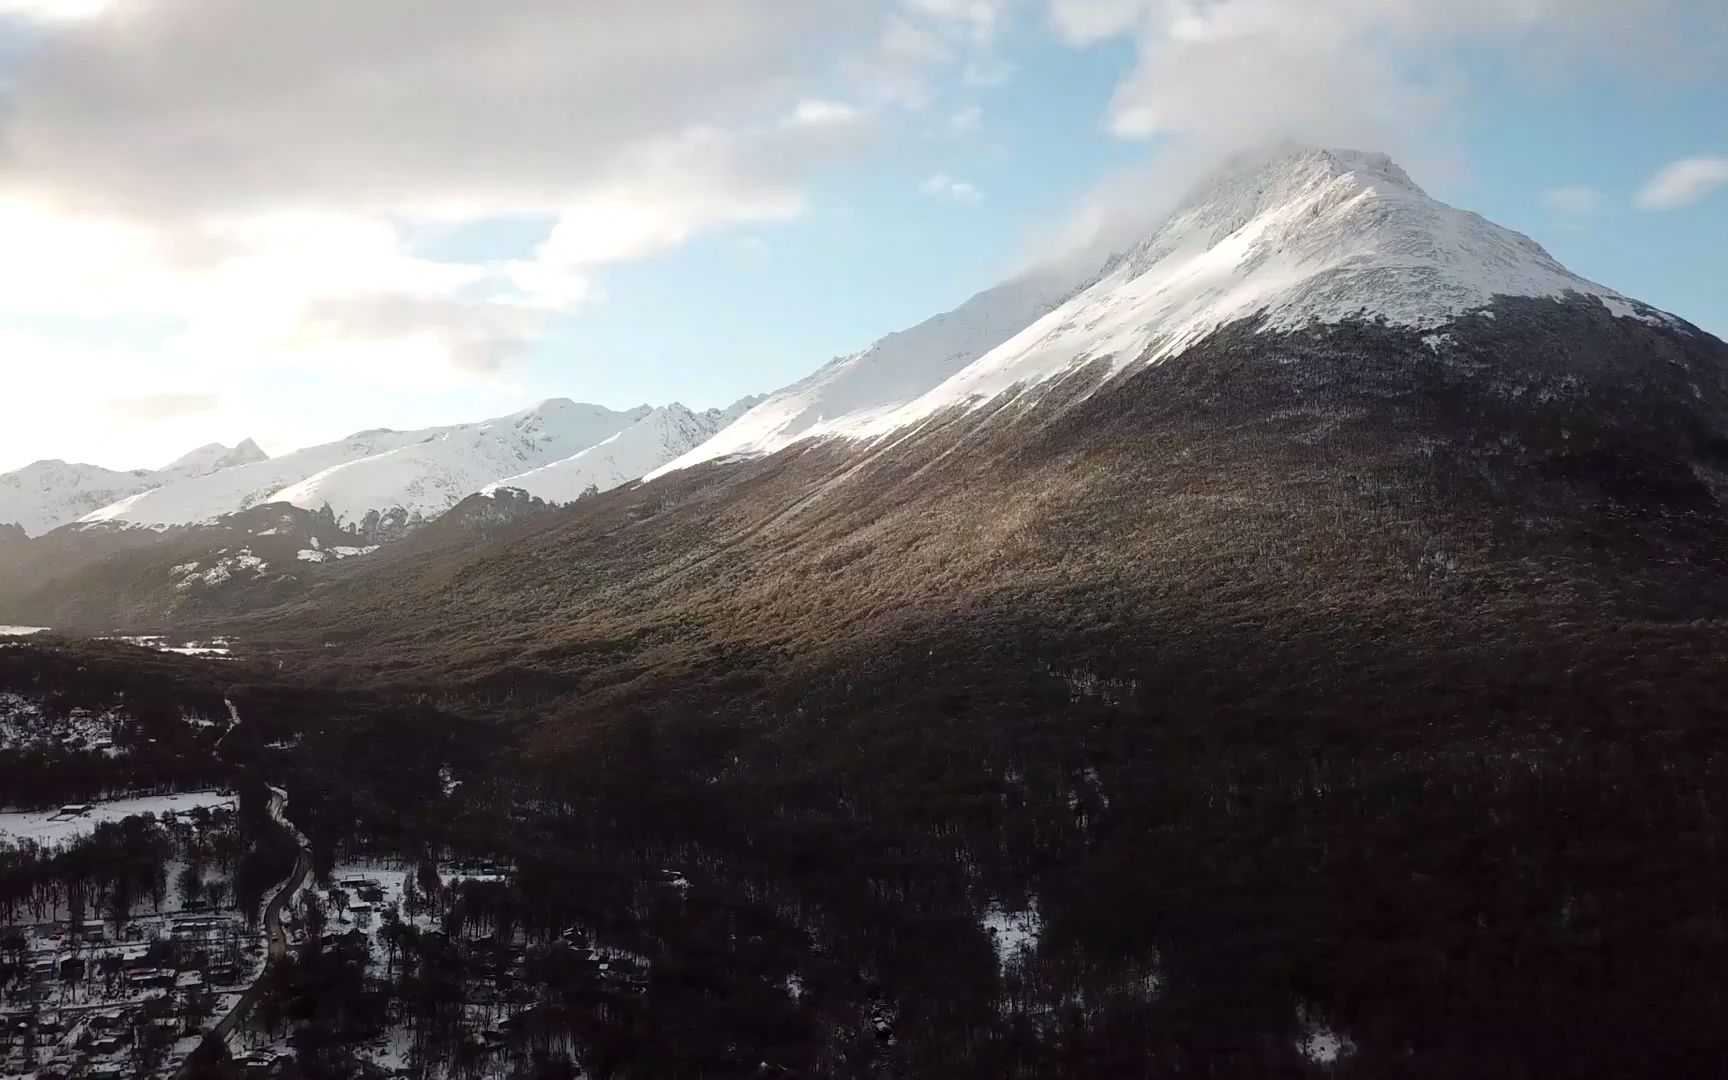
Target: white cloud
(944, 186)
(978, 18)
(1235, 72)
(262, 209)
(923, 38)
(967, 119)
(1683, 182)
(1575, 200)
(1216, 76)
(53, 9)
(161, 406)
(249, 181)
(817, 111)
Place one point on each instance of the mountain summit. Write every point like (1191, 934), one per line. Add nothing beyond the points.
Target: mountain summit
(1306, 237)
(1288, 239)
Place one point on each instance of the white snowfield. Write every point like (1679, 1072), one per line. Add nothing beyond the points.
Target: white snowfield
(894, 371)
(1302, 236)
(419, 472)
(52, 827)
(646, 445)
(42, 497)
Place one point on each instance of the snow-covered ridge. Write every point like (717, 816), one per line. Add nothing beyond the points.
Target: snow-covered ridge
(894, 371)
(651, 442)
(429, 477)
(418, 474)
(40, 498)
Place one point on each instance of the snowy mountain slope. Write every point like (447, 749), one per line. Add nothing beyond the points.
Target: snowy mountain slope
(429, 477)
(42, 497)
(890, 373)
(1304, 236)
(656, 439)
(414, 472)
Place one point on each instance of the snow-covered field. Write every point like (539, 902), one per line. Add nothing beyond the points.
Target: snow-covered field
(53, 827)
(22, 631)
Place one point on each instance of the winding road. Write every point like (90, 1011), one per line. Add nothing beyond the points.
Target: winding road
(278, 938)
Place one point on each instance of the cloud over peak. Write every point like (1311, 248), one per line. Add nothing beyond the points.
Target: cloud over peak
(1681, 183)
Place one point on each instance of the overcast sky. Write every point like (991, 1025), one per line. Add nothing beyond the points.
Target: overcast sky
(291, 219)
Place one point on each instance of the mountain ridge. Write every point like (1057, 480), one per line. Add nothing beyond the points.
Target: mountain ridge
(386, 477)
(47, 494)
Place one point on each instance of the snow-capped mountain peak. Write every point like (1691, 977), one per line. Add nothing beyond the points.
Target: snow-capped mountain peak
(1294, 234)
(213, 458)
(1297, 237)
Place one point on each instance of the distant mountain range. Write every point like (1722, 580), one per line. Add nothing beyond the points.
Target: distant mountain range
(380, 483)
(40, 498)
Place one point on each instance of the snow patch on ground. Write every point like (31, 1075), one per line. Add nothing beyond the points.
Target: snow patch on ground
(215, 647)
(335, 554)
(22, 631)
(1014, 934)
(224, 569)
(1320, 1043)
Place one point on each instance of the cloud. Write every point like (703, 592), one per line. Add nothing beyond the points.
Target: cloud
(967, 119)
(816, 111)
(53, 9)
(1391, 73)
(978, 18)
(1575, 200)
(428, 106)
(161, 406)
(1681, 183)
(944, 186)
(923, 38)
(268, 205)
(469, 338)
(1213, 77)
